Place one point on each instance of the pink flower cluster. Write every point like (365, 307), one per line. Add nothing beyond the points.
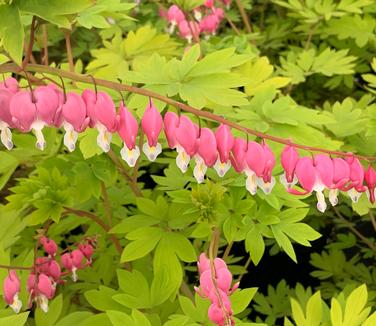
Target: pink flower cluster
(207, 19)
(220, 311)
(46, 274)
(49, 106)
(322, 172)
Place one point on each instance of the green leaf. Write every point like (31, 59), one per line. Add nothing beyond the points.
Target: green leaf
(140, 319)
(335, 312)
(145, 241)
(240, 299)
(314, 311)
(254, 244)
(74, 318)
(182, 246)
(355, 304)
(15, 320)
(119, 318)
(12, 32)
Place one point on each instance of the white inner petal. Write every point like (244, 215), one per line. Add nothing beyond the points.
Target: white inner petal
(152, 152)
(130, 155)
(354, 195)
(16, 304)
(266, 187)
(251, 183)
(6, 136)
(41, 143)
(70, 137)
(199, 170)
(321, 203)
(333, 196)
(182, 161)
(42, 301)
(104, 138)
(221, 167)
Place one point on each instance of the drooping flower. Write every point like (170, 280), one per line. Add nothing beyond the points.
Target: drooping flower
(266, 182)
(218, 291)
(209, 24)
(11, 288)
(206, 155)
(10, 84)
(189, 30)
(74, 119)
(23, 110)
(102, 113)
(289, 159)
(128, 130)
(174, 16)
(6, 118)
(238, 157)
(225, 142)
(49, 246)
(186, 135)
(370, 178)
(72, 262)
(152, 124)
(341, 176)
(170, 124)
(356, 178)
(314, 175)
(255, 158)
(87, 250)
(41, 289)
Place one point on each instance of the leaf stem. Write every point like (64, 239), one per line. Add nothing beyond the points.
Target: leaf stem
(244, 15)
(45, 45)
(69, 50)
(31, 43)
(106, 203)
(10, 67)
(363, 238)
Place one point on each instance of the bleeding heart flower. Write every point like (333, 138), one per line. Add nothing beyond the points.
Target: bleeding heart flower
(171, 123)
(23, 110)
(49, 246)
(87, 250)
(152, 124)
(209, 24)
(225, 142)
(102, 113)
(267, 181)
(72, 261)
(11, 288)
(174, 17)
(356, 178)
(370, 178)
(238, 158)
(128, 130)
(255, 158)
(41, 290)
(10, 84)
(186, 135)
(6, 118)
(206, 154)
(189, 30)
(289, 159)
(341, 176)
(73, 118)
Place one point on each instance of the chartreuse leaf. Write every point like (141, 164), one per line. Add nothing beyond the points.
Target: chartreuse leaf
(313, 313)
(254, 244)
(199, 82)
(240, 299)
(259, 71)
(145, 240)
(74, 318)
(102, 299)
(11, 31)
(15, 320)
(354, 310)
(55, 11)
(119, 318)
(97, 320)
(136, 290)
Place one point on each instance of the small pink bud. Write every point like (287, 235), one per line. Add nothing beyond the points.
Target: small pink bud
(87, 250)
(49, 246)
(370, 178)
